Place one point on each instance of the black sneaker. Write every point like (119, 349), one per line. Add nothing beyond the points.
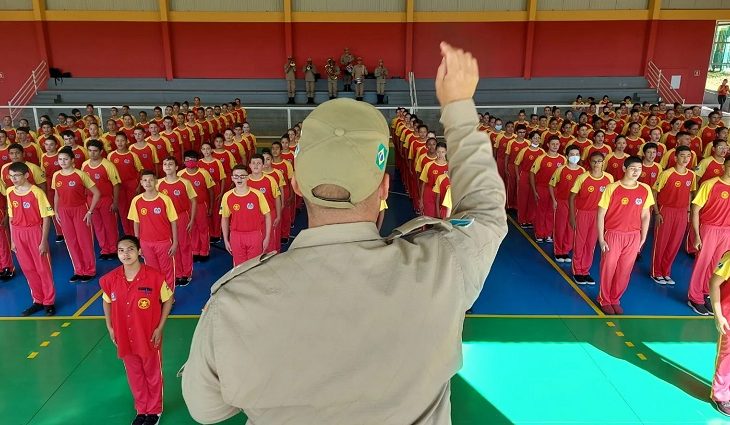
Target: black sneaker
(708, 306)
(723, 407)
(284, 241)
(215, 240)
(139, 420)
(589, 279)
(204, 258)
(579, 279)
(33, 309)
(50, 310)
(87, 278)
(7, 273)
(75, 278)
(152, 420)
(698, 308)
(59, 239)
(182, 281)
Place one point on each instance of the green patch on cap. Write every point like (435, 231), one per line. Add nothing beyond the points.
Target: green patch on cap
(382, 157)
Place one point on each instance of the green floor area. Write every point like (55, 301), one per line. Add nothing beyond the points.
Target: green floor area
(517, 370)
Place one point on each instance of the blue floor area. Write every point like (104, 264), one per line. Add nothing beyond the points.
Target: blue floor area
(521, 282)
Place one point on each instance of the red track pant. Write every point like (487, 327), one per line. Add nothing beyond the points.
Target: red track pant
(35, 267)
(616, 265)
(721, 380)
(544, 213)
(6, 259)
(200, 236)
(51, 195)
(287, 213)
(79, 239)
(584, 245)
(429, 201)
(144, 375)
(690, 243)
(525, 200)
(275, 238)
(127, 191)
(246, 245)
(667, 240)
(155, 255)
(105, 226)
(184, 254)
(562, 233)
(511, 186)
(715, 242)
(214, 221)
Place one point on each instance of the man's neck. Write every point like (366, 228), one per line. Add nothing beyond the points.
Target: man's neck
(276, 158)
(718, 158)
(680, 168)
(257, 176)
(130, 271)
(647, 163)
(25, 187)
(628, 182)
(240, 190)
(149, 194)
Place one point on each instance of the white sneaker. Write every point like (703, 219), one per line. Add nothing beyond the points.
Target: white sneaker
(539, 240)
(568, 259)
(549, 239)
(559, 259)
(658, 279)
(669, 280)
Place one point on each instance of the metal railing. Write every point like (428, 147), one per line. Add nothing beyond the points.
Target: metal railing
(412, 89)
(663, 86)
(37, 80)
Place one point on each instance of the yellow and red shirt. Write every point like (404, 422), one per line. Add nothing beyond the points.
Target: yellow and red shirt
(180, 192)
(563, 180)
(201, 181)
(673, 189)
(713, 198)
(650, 174)
(247, 212)
(266, 185)
(588, 190)
(71, 188)
(28, 209)
(709, 168)
(544, 167)
(624, 205)
(526, 157)
(669, 160)
(104, 176)
(723, 271)
(36, 175)
(431, 171)
(147, 155)
(155, 217)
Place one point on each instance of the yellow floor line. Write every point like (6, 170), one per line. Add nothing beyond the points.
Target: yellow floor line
(629, 344)
(641, 356)
(32, 355)
(557, 267)
(45, 343)
(86, 305)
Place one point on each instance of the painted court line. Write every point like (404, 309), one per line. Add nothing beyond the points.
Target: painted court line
(557, 268)
(87, 304)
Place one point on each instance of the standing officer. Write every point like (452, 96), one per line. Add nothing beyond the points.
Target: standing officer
(333, 74)
(358, 76)
(403, 341)
(346, 62)
(290, 70)
(381, 74)
(309, 78)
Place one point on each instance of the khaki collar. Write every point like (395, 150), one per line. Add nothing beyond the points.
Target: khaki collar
(335, 234)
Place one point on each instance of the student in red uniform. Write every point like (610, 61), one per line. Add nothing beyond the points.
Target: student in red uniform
(708, 133)
(197, 173)
(162, 145)
(513, 149)
(597, 146)
(281, 231)
(712, 166)
(430, 172)
(155, 224)
(523, 164)
(561, 183)
(173, 136)
(623, 223)
(137, 301)
(267, 185)
(187, 136)
(30, 215)
(541, 173)
(104, 219)
(235, 148)
(720, 300)
(128, 167)
(711, 227)
(246, 220)
(673, 191)
(633, 139)
(720, 133)
(145, 151)
(649, 169)
(31, 151)
(289, 198)
(583, 204)
(183, 195)
(613, 163)
(7, 269)
(49, 165)
(442, 191)
(79, 151)
(695, 142)
(75, 214)
(582, 140)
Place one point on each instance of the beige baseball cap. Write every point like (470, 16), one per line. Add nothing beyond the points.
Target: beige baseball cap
(345, 143)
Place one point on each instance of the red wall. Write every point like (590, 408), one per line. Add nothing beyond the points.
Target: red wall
(562, 49)
(106, 49)
(257, 50)
(227, 50)
(22, 56)
(498, 46)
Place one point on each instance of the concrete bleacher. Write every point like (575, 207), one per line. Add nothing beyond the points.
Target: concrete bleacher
(272, 92)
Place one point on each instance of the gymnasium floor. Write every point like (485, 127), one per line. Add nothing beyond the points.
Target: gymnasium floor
(536, 349)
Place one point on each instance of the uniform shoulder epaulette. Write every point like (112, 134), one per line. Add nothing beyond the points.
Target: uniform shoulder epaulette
(240, 269)
(418, 225)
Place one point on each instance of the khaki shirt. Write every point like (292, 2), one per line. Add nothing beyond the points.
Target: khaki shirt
(309, 74)
(333, 73)
(359, 71)
(347, 327)
(290, 72)
(346, 58)
(381, 73)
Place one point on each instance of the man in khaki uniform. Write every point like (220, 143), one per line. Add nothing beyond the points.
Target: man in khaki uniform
(358, 77)
(346, 62)
(309, 78)
(347, 327)
(333, 75)
(290, 70)
(381, 74)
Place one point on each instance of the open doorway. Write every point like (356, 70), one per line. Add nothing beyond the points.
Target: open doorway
(719, 66)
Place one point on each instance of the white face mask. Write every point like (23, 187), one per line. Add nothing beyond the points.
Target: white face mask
(573, 159)
(535, 144)
(498, 127)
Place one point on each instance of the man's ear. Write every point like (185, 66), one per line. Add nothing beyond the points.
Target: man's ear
(295, 186)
